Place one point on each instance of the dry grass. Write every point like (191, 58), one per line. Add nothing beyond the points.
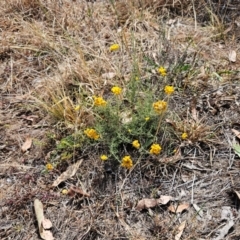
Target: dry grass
(55, 56)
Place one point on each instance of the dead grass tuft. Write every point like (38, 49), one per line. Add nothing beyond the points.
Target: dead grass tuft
(59, 103)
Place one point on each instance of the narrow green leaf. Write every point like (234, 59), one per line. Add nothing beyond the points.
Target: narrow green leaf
(236, 148)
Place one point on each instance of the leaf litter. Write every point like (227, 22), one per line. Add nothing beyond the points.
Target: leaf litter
(149, 203)
(180, 230)
(76, 190)
(70, 172)
(44, 225)
(27, 144)
(232, 56)
(178, 208)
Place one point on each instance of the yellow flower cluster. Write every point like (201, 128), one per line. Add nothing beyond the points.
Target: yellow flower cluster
(162, 71)
(114, 47)
(116, 90)
(160, 106)
(155, 149)
(184, 136)
(99, 101)
(104, 157)
(136, 144)
(92, 133)
(169, 90)
(127, 162)
(77, 107)
(49, 167)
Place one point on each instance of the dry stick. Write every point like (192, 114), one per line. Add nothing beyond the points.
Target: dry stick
(159, 124)
(192, 188)
(120, 189)
(169, 32)
(211, 157)
(231, 156)
(195, 15)
(7, 165)
(161, 118)
(174, 176)
(11, 75)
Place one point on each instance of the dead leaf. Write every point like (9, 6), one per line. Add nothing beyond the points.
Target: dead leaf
(186, 178)
(237, 133)
(43, 224)
(164, 199)
(180, 230)
(126, 117)
(224, 230)
(177, 156)
(70, 172)
(30, 118)
(27, 144)
(232, 56)
(227, 213)
(192, 167)
(46, 223)
(109, 75)
(151, 202)
(194, 114)
(178, 208)
(172, 123)
(171, 21)
(237, 22)
(146, 203)
(238, 194)
(202, 75)
(77, 190)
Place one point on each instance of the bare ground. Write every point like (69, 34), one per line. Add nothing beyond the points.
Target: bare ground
(45, 44)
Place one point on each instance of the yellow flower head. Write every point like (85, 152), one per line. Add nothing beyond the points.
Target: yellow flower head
(162, 71)
(127, 162)
(92, 133)
(64, 191)
(160, 106)
(99, 101)
(136, 144)
(114, 47)
(77, 108)
(155, 149)
(169, 90)
(104, 157)
(49, 167)
(116, 90)
(184, 136)
(147, 119)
